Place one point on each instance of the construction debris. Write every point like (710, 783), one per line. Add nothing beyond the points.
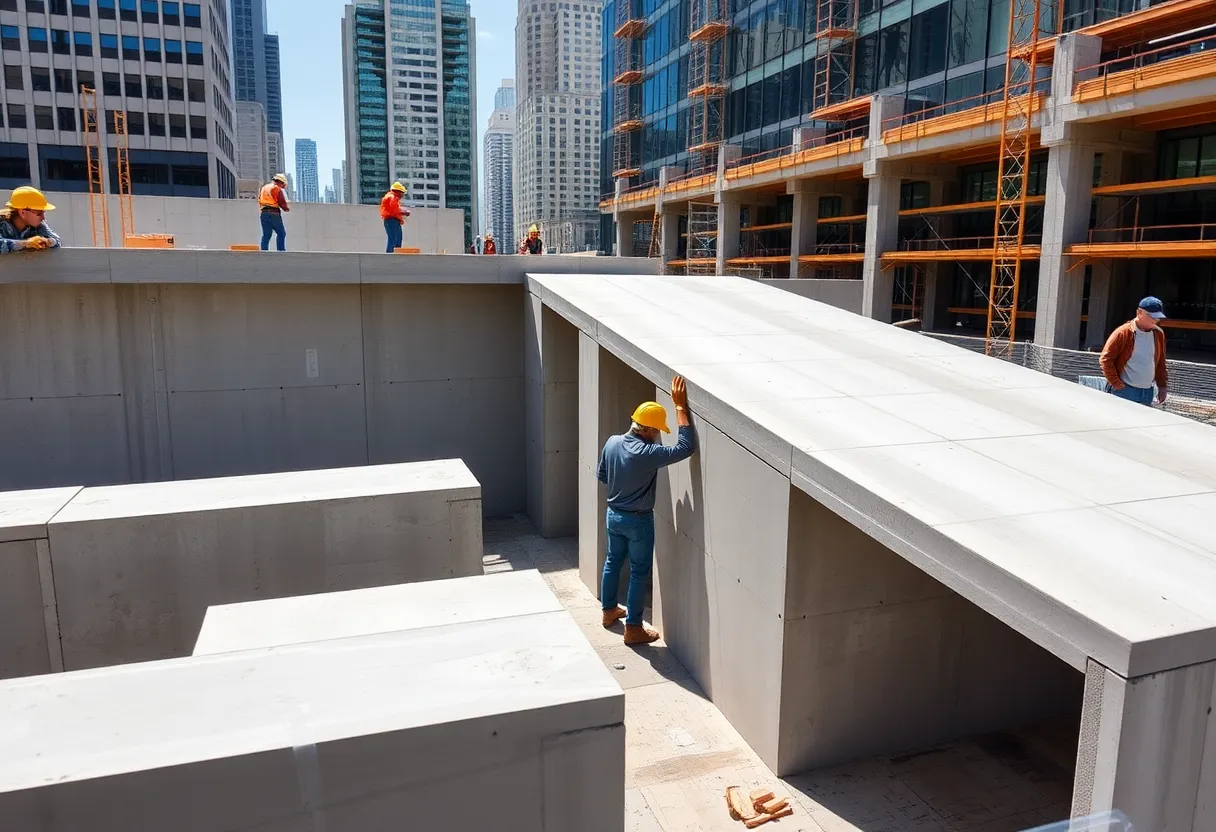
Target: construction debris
(759, 807)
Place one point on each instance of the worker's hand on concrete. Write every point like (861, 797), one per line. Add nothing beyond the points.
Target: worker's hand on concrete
(37, 243)
(679, 395)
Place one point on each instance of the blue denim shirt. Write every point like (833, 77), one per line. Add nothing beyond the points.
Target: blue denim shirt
(9, 235)
(629, 466)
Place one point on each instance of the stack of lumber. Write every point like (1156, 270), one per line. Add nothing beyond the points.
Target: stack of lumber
(759, 807)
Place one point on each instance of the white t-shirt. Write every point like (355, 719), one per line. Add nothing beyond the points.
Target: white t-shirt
(1141, 367)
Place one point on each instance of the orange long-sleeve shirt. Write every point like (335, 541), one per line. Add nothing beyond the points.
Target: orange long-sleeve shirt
(390, 207)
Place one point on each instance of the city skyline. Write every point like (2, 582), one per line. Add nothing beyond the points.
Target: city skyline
(307, 183)
(498, 163)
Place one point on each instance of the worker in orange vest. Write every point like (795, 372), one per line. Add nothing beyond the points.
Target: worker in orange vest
(273, 202)
(393, 215)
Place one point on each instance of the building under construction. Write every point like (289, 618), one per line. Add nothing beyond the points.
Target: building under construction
(1008, 168)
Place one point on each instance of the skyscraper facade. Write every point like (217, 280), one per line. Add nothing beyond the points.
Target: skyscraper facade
(408, 69)
(497, 166)
(274, 88)
(167, 65)
(307, 184)
(249, 50)
(339, 193)
(504, 98)
(365, 84)
(557, 132)
(252, 160)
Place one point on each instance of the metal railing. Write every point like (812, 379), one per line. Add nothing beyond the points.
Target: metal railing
(1197, 232)
(1192, 387)
(993, 98)
(1111, 66)
(787, 154)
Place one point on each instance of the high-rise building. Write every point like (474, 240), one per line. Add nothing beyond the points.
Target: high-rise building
(252, 160)
(173, 82)
(274, 88)
(346, 183)
(557, 131)
(497, 164)
(307, 182)
(274, 153)
(249, 50)
(423, 53)
(291, 187)
(504, 97)
(330, 196)
(339, 191)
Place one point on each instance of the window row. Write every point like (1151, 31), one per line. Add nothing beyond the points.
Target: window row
(63, 42)
(44, 79)
(69, 119)
(169, 12)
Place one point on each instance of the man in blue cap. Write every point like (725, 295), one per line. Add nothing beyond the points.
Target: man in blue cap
(1134, 356)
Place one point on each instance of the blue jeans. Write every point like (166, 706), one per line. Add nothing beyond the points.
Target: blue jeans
(272, 222)
(632, 536)
(1139, 395)
(392, 228)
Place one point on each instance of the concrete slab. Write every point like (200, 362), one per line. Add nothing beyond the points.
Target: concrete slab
(511, 724)
(306, 618)
(136, 566)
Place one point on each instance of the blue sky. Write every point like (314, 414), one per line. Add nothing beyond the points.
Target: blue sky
(310, 40)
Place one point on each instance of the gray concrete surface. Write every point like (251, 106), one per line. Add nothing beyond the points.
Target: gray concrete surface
(511, 724)
(942, 459)
(300, 619)
(137, 566)
(198, 364)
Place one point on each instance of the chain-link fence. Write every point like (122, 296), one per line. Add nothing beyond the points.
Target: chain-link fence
(1192, 389)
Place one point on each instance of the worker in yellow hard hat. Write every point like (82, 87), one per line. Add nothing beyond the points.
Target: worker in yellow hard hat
(23, 222)
(393, 214)
(532, 243)
(272, 201)
(629, 466)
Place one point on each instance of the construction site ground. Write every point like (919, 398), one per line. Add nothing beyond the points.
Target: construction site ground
(682, 753)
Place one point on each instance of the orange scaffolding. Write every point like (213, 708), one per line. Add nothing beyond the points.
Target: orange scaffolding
(627, 89)
(99, 216)
(835, 45)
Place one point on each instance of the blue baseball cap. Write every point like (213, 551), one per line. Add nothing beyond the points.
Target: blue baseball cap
(1153, 306)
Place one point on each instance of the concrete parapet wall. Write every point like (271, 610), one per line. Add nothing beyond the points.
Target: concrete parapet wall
(220, 223)
(843, 294)
(139, 366)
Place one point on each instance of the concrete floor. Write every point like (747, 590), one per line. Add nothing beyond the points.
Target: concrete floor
(681, 753)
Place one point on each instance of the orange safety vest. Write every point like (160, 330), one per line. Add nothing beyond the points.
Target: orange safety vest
(267, 198)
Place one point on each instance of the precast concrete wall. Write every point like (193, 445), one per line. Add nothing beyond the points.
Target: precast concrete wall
(843, 294)
(143, 366)
(220, 223)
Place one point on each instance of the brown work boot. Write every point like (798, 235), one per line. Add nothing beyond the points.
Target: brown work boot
(637, 634)
(612, 616)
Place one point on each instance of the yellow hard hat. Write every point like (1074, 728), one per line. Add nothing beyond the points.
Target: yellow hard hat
(280, 178)
(397, 186)
(28, 198)
(535, 230)
(652, 415)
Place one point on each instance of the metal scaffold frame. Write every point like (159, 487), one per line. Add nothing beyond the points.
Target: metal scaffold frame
(626, 94)
(702, 238)
(835, 48)
(126, 207)
(1013, 172)
(707, 86)
(99, 217)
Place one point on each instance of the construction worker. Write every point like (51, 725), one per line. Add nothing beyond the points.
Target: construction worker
(489, 246)
(532, 244)
(629, 466)
(273, 202)
(1133, 358)
(393, 214)
(23, 222)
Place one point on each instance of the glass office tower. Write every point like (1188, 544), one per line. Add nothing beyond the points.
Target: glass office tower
(459, 136)
(364, 71)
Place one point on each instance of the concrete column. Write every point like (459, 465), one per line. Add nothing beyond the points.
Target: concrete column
(805, 231)
(608, 392)
(929, 302)
(670, 236)
(882, 235)
(730, 211)
(551, 419)
(1102, 271)
(1146, 749)
(1070, 172)
(624, 234)
(1073, 52)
